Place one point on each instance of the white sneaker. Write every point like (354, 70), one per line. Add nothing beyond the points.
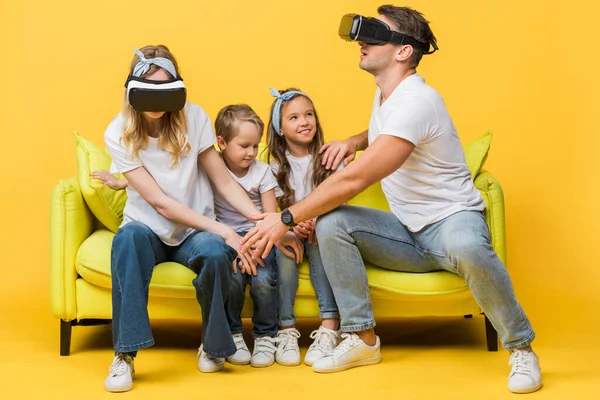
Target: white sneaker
(207, 363)
(352, 352)
(264, 351)
(288, 352)
(242, 355)
(324, 343)
(525, 375)
(120, 377)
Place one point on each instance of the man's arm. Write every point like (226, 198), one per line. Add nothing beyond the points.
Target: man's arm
(336, 151)
(384, 156)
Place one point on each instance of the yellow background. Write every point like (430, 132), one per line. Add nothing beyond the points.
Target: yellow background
(526, 69)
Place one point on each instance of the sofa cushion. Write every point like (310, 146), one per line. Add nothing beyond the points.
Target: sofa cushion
(105, 203)
(476, 153)
(174, 280)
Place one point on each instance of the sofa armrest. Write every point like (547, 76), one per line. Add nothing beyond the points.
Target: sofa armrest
(490, 189)
(71, 222)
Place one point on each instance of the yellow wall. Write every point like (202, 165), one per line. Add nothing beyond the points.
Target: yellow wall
(524, 69)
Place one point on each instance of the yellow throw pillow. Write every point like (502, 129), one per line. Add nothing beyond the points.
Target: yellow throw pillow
(476, 153)
(105, 203)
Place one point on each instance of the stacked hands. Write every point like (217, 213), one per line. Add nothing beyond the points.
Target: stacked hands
(270, 231)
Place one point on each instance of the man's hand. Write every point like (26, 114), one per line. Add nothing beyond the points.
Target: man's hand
(291, 240)
(334, 152)
(263, 236)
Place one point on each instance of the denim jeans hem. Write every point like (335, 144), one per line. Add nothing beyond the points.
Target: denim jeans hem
(522, 344)
(135, 347)
(287, 323)
(358, 328)
(329, 314)
(235, 333)
(222, 354)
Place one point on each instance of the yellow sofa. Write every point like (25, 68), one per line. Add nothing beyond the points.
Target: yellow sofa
(80, 282)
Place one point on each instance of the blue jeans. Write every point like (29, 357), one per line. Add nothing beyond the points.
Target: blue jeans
(136, 249)
(459, 243)
(263, 291)
(287, 285)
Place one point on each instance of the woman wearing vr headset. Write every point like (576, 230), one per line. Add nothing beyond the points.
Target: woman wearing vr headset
(164, 146)
(436, 220)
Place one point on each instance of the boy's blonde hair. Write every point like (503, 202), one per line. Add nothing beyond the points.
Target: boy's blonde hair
(230, 117)
(173, 132)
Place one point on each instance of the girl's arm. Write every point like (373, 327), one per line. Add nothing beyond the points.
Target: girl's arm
(233, 193)
(141, 180)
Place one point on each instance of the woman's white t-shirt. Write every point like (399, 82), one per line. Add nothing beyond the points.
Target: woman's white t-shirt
(184, 182)
(435, 181)
(257, 181)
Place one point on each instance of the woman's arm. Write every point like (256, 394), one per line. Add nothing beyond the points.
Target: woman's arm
(141, 180)
(233, 193)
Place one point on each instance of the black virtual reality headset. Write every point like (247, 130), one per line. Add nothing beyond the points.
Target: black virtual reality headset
(148, 95)
(374, 31)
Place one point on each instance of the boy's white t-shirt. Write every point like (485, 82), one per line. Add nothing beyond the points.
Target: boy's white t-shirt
(257, 181)
(300, 177)
(184, 182)
(435, 181)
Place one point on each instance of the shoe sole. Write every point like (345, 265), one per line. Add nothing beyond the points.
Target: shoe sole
(238, 362)
(120, 390)
(288, 364)
(359, 363)
(208, 371)
(528, 390)
(261, 365)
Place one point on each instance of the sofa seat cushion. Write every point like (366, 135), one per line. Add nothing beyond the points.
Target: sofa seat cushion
(174, 280)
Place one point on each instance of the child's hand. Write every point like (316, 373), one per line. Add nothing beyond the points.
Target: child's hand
(109, 180)
(305, 229)
(292, 241)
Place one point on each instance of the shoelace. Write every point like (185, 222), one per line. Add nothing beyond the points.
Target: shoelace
(288, 338)
(324, 340)
(119, 365)
(265, 344)
(349, 340)
(522, 361)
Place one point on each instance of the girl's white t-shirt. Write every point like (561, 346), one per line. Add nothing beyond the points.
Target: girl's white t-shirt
(185, 182)
(257, 181)
(435, 181)
(300, 177)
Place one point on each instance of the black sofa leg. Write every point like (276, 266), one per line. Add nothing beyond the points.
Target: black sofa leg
(469, 316)
(491, 335)
(65, 337)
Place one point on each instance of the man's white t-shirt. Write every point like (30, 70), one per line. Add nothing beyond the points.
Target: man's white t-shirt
(184, 182)
(435, 181)
(257, 181)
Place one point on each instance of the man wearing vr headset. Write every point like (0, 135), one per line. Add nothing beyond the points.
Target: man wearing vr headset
(436, 220)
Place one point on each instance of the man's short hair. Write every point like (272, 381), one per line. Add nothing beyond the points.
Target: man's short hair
(409, 22)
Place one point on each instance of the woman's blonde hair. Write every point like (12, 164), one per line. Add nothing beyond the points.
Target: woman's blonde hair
(173, 131)
(230, 117)
(276, 147)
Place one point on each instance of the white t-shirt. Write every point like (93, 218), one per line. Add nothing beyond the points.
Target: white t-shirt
(435, 181)
(300, 176)
(257, 181)
(184, 182)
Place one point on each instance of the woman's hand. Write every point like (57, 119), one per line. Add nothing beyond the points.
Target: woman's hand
(109, 180)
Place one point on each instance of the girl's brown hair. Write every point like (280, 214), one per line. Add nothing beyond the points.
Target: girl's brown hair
(276, 146)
